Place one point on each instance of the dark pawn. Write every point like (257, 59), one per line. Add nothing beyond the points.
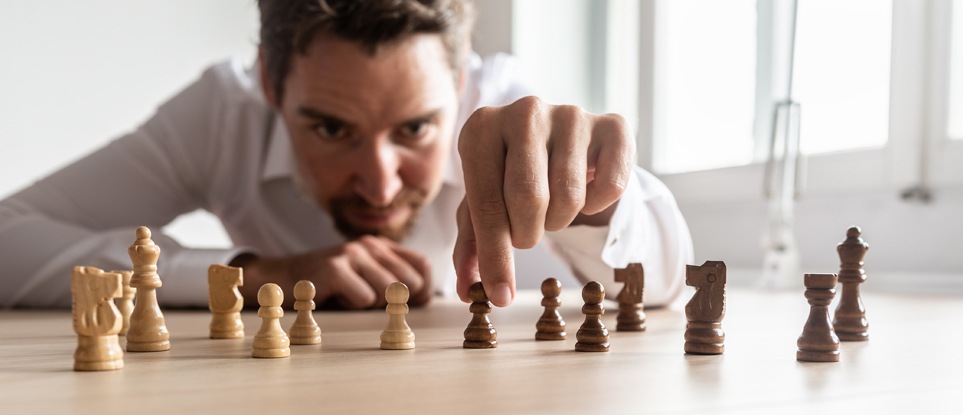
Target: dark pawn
(818, 342)
(592, 336)
(550, 325)
(480, 333)
(631, 317)
(850, 319)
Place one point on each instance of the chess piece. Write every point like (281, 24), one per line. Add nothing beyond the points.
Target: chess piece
(550, 325)
(592, 336)
(126, 301)
(480, 333)
(818, 341)
(270, 341)
(96, 319)
(850, 318)
(225, 301)
(631, 317)
(703, 333)
(398, 335)
(305, 329)
(148, 331)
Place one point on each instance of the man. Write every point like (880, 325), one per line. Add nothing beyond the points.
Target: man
(334, 160)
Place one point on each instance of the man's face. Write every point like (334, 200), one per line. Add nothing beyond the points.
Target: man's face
(371, 134)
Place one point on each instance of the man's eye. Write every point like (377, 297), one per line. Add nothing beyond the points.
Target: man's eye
(331, 130)
(415, 129)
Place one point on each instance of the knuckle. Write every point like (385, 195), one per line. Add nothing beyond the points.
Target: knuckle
(491, 203)
(525, 120)
(480, 119)
(528, 192)
(609, 190)
(352, 249)
(568, 114)
(526, 240)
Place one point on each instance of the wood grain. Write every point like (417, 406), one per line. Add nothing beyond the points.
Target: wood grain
(912, 364)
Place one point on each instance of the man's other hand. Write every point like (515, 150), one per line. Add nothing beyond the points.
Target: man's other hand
(355, 273)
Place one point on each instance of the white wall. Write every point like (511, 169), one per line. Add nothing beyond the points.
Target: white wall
(75, 75)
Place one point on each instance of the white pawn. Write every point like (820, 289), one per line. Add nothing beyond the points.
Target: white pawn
(270, 340)
(305, 329)
(125, 303)
(398, 335)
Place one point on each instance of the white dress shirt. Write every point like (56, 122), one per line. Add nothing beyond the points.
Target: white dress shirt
(218, 146)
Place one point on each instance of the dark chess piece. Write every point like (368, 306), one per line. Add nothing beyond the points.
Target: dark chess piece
(631, 317)
(592, 336)
(550, 325)
(703, 333)
(818, 341)
(850, 318)
(480, 333)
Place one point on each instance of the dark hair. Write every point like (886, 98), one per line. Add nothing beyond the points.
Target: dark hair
(289, 26)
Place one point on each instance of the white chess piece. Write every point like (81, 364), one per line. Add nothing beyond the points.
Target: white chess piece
(270, 341)
(147, 331)
(305, 329)
(96, 319)
(397, 336)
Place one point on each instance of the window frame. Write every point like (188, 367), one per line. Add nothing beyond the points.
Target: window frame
(918, 152)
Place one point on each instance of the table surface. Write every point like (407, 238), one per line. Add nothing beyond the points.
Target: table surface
(910, 362)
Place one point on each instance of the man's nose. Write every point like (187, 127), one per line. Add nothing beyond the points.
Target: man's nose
(377, 179)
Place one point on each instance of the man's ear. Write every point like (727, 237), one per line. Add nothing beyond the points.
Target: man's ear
(267, 88)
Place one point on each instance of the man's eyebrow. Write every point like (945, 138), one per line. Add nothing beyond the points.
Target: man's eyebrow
(428, 116)
(318, 115)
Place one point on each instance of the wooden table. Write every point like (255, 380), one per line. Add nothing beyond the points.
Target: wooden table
(912, 362)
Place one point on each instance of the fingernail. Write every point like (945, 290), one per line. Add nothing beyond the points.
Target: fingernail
(501, 295)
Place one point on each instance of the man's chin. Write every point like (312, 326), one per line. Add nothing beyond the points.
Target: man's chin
(352, 230)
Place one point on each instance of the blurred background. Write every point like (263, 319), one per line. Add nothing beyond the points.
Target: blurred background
(777, 125)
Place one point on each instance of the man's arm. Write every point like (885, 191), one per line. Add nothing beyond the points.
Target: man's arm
(86, 213)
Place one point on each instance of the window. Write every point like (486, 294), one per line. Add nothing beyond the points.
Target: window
(706, 63)
(954, 128)
(841, 74)
(716, 86)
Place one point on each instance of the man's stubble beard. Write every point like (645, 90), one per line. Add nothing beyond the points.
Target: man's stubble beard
(412, 199)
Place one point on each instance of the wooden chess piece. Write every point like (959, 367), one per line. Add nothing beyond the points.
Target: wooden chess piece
(480, 333)
(126, 301)
(592, 336)
(818, 341)
(225, 301)
(631, 317)
(850, 318)
(550, 325)
(305, 329)
(398, 335)
(703, 333)
(270, 341)
(148, 331)
(96, 319)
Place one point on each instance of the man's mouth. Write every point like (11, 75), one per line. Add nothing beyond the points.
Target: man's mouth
(380, 218)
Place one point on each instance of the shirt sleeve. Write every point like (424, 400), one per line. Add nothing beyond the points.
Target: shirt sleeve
(86, 213)
(647, 227)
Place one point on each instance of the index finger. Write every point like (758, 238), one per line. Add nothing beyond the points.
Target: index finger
(483, 159)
